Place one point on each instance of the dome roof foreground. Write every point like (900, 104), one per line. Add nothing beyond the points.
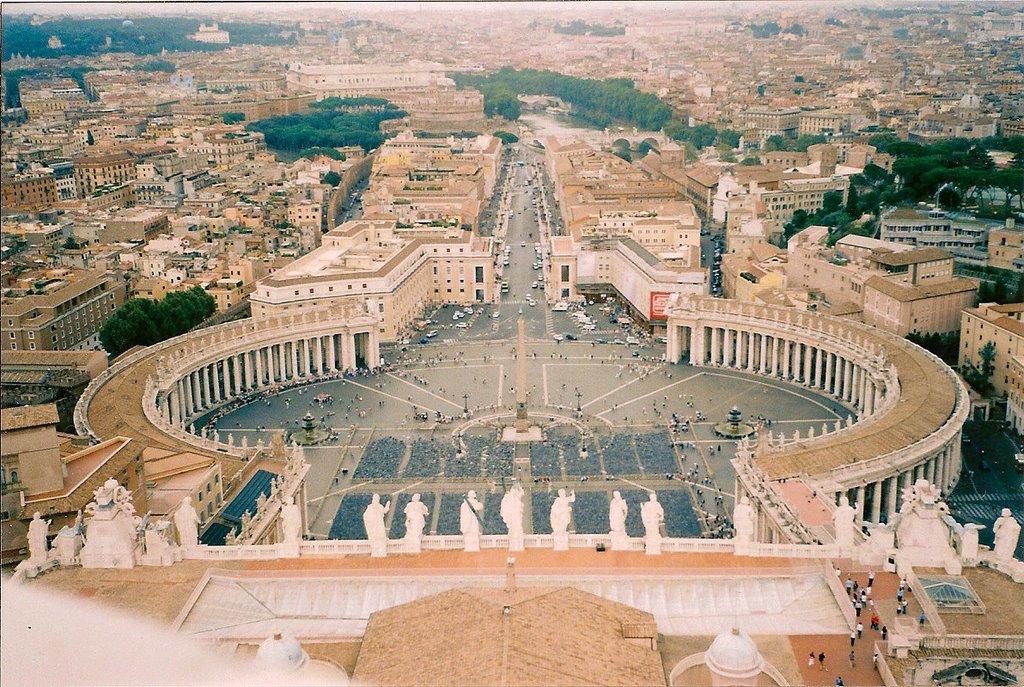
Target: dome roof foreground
(734, 655)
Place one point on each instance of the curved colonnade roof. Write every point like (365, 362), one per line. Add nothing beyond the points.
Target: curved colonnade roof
(928, 396)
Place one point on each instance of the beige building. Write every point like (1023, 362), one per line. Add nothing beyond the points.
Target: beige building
(1015, 395)
(899, 288)
(753, 271)
(928, 309)
(396, 272)
(68, 313)
(134, 225)
(768, 121)
(1006, 247)
(372, 80)
(1003, 325)
(31, 456)
(93, 172)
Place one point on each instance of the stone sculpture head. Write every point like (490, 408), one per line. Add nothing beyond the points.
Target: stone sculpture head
(561, 492)
(376, 498)
(415, 497)
(654, 497)
(615, 495)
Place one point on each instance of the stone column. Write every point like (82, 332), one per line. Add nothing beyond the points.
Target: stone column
(776, 343)
(890, 506)
(750, 351)
(332, 356)
(697, 345)
(860, 503)
(372, 349)
(876, 502)
(807, 366)
(172, 414)
(282, 368)
(786, 356)
(258, 360)
(672, 352)
(187, 381)
(318, 355)
(848, 380)
(207, 378)
(349, 350)
(763, 362)
(828, 372)
(714, 346)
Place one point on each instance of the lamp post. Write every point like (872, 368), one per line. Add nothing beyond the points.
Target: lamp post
(465, 402)
(579, 395)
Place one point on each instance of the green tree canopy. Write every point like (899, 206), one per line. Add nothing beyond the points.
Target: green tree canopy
(142, 322)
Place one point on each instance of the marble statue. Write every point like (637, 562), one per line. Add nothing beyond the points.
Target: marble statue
(561, 514)
(112, 529)
(968, 536)
(66, 545)
(653, 515)
(416, 513)
(617, 517)
(37, 531)
(923, 531)
(512, 515)
(1007, 532)
(291, 522)
(744, 520)
(843, 522)
(469, 521)
(157, 547)
(373, 521)
(186, 522)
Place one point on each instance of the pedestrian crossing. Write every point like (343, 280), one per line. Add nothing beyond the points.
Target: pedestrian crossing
(999, 497)
(973, 512)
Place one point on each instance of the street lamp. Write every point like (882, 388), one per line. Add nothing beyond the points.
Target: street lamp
(465, 402)
(579, 395)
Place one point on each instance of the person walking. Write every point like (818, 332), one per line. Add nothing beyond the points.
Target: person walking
(849, 586)
(885, 633)
(839, 681)
(853, 659)
(810, 660)
(821, 661)
(853, 638)
(860, 630)
(904, 606)
(871, 577)
(874, 659)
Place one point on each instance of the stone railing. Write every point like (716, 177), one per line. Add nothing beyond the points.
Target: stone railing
(888, 679)
(456, 542)
(973, 642)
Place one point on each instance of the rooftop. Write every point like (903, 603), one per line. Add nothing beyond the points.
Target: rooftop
(27, 417)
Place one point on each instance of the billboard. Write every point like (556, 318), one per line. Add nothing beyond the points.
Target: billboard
(659, 302)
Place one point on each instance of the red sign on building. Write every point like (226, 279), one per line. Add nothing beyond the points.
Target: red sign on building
(659, 302)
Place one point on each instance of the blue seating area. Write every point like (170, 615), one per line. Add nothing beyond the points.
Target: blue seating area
(448, 517)
(493, 524)
(397, 530)
(575, 464)
(619, 455)
(544, 461)
(635, 498)
(499, 460)
(590, 512)
(541, 502)
(468, 465)
(424, 459)
(380, 459)
(258, 484)
(656, 453)
(348, 521)
(680, 519)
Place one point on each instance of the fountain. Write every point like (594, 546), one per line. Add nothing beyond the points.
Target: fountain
(310, 433)
(734, 427)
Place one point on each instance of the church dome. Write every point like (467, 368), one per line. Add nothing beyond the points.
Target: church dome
(282, 653)
(734, 655)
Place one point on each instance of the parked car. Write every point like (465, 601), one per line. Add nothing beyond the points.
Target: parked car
(571, 337)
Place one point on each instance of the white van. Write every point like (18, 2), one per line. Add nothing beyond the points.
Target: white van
(560, 306)
(632, 341)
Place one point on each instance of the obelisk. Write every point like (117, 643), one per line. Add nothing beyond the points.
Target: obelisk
(522, 425)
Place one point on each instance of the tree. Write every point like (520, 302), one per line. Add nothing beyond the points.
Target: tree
(830, 202)
(852, 208)
(142, 322)
(331, 178)
(506, 137)
(71, 244)
(1017, 161)
(980, 378)
(725, 153)
(233, 117)
(89, 140)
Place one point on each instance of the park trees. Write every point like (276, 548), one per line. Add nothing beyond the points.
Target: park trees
(143, 322)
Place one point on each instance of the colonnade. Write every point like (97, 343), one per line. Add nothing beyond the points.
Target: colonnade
(762, 352)
(241, 368)
(852, 363)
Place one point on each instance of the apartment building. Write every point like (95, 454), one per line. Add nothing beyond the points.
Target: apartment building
(28, 192)
(1003, 325)
(769, 121)
(60, 310)
(93, 172)
(1015, 395)
(134, 225)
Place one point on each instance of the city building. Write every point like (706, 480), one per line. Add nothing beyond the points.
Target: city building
(965, 237)
(95, 172)
(211, 33)
(395, 272)
(1003, 327)
(390, 81)
(60, 310)
(1006, 247)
